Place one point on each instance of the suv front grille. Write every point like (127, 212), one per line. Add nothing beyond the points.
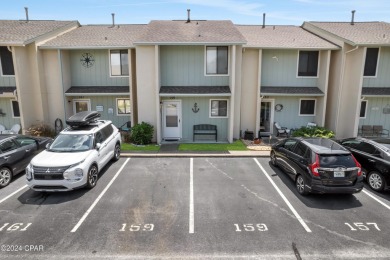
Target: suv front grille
(49, 173)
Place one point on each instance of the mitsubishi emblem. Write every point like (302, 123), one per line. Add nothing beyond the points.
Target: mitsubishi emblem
(48, 170)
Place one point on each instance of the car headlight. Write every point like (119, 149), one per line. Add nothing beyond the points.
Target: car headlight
(29, 172)
(74, 173)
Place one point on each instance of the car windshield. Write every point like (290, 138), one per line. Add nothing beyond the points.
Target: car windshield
(71, 143)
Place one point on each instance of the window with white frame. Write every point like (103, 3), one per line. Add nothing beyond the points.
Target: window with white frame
(308, 63)
(15, 109)
(363, 109)
(217, 60)
(307, 107)
(7, 65)
(119, 63)
(371, 64)
(122, 106)
(218, 108)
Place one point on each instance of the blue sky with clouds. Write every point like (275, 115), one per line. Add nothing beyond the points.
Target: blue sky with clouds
(292, 12)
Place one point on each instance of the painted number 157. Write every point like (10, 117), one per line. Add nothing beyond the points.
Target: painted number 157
(362, 226)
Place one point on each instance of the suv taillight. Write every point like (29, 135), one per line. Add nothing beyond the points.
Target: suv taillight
(314, 167)
(357, 165)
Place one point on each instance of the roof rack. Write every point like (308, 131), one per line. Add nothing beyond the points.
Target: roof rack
(82, 118)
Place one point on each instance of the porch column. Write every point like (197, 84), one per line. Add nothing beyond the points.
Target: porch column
(232, 97)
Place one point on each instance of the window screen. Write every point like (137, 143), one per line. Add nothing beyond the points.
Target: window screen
(217, 60)
(307, 107)
(308, 63)
(218, 108)
(371, 61)
(363, 108)
(7, 64)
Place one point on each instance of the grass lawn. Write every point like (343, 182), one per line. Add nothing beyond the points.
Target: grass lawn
(236, 146)
(131, 147)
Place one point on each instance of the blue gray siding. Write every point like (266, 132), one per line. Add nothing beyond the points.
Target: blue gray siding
(383, 75)
(107, 102)
(289, 116)
(98, 74)
(281, 71)
(7, 81)
(7, 120)
(189, 119)
(374, 114)
(185, 66)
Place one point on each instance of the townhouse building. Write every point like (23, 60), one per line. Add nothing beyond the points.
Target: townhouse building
(177, 74)
(359, 78)
(285, 75)
(23, 92)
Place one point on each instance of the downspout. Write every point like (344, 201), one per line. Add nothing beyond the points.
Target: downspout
(62, 84)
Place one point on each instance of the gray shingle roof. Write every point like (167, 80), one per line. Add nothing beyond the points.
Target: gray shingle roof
(292, 91)
(99, 90)
(95, 36)
(19, 32)
(7, 89)
(282, 36)
(376, 91)
(195, 32)
(203, 90)
(362, 33)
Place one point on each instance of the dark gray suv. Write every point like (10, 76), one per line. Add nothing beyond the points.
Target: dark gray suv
(318, 165)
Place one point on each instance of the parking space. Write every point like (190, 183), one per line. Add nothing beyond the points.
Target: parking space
(199, 207)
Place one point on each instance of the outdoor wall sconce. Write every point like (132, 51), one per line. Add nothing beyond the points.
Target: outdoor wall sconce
(195, 109)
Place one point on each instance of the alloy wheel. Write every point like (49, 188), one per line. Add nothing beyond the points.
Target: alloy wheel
(92, 176)
(300, 184)
(375, 181)
(5, 177)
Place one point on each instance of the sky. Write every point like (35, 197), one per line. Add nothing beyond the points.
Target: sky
(278, 12)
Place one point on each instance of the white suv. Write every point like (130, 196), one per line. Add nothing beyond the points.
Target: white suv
(76, 155)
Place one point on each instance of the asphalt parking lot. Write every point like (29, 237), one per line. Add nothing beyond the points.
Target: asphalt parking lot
(192, 208)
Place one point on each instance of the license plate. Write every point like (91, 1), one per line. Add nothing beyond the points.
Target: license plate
(339, 174)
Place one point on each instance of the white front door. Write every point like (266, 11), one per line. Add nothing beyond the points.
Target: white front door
(171, 120)
(80, 105)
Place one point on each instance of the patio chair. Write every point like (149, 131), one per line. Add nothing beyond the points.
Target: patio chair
(310, 124)
(126, 127)
(14, 130)
(379, 131)
(280, 130)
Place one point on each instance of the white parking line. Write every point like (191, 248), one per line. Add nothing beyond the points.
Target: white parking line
(13, 193)
(284, 198)
(378, 200)
(191, 226)
(98, 198)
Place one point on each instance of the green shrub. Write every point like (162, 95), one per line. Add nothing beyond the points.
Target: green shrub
(142, 134)
(316, 131)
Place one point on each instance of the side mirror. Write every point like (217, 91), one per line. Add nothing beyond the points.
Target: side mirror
(48, 145)
(98, 145)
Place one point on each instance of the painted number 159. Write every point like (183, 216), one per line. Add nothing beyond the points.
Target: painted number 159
(250, 227)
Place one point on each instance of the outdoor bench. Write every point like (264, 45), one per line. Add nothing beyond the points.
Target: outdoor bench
(205, 129)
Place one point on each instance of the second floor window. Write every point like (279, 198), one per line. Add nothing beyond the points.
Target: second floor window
(7, 65)
(119, 63)
(308, 64)
(371, 63)
(217, 60)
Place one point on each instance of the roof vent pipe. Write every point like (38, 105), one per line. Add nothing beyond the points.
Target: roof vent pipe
(26, 9)
(188, 15)
(263, 20)
(353, 17)
(113, 19)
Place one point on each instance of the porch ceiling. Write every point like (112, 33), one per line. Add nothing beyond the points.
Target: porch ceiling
(291, 91)
(376, 91)
(98, 91)
(195, 91)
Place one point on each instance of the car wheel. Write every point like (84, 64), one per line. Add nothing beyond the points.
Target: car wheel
(364, 173)
(376, 181)
(300, 184)
(273, 159)
(5, 177)
(92, 177)
(117, 153)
